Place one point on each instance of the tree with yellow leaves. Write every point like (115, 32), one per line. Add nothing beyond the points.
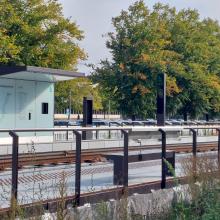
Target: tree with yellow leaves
(164, 40)
(35, 32)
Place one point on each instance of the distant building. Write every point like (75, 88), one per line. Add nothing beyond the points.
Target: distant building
(27, 96)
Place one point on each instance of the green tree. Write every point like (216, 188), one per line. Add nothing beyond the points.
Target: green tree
(163, 40)
(73, 92)
(35, 32)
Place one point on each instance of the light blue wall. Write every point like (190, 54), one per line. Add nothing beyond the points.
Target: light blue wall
(7, 103)
(18, 98)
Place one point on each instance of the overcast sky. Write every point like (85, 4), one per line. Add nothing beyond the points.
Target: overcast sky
(94, 18)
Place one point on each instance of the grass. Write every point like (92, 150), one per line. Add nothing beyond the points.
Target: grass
(203, 190)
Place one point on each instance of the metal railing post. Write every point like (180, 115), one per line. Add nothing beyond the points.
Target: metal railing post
(218, 130)
(125, 159)
(163, 158)
(194, 145)
(109, 132)
(14, 186)
(78, 167)
(194, 149)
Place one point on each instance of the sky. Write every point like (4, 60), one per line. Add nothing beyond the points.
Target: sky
(94, 18)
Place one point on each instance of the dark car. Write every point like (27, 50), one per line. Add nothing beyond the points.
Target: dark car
(150, 122)
(114, 124)
(98, 123)
(61, 123)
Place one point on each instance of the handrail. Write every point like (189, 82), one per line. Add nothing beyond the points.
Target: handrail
(129, 128)
(66, 129)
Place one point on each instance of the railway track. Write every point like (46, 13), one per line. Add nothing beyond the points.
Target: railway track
(94, 155)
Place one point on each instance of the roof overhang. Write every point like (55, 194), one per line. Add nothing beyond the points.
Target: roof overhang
(37, 73)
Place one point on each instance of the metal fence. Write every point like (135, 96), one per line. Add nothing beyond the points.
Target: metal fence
(60, 136)
(95, 112)
(78, 134)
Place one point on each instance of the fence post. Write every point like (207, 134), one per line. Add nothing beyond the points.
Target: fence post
(78, 167)
(194, 149)
(218, 130)
(163, 158)
(14, 185)
(125, 159)
(109, 132)
(194, 145)
(96, 133)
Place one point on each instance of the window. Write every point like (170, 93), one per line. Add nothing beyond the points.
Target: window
(45, 108)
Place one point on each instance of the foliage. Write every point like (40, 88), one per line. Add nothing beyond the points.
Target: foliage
(207, 206)
(163, 40)
(204, 202)
(75, 90)
(34, 32)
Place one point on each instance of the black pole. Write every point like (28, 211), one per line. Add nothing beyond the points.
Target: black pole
(125, 159)
(194, 145)
(87, 117)
(161, 99)
(78, 167)
(218, 130)
(163, 158)
(14, 189)
(194, 149)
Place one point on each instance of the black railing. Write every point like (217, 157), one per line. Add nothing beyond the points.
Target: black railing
(125, 130)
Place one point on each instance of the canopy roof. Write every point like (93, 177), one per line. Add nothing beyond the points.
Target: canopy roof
(37, 73)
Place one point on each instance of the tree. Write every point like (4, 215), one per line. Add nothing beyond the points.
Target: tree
(164, 40)
(75, 90)
(35, 32)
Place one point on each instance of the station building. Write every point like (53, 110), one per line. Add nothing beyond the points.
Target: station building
(27, 97)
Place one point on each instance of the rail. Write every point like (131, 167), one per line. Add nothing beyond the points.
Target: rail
(60, 136)
(125, 130)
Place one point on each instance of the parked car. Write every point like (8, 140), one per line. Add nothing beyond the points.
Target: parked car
(150, 122)
(114, 124)
(99, 122)
(61, 123)
(75, 123)
(168, 122)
